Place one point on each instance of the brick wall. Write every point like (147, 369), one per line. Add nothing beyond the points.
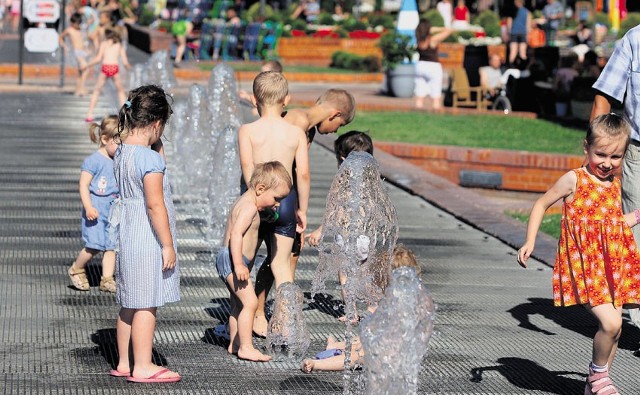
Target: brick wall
(521, 171)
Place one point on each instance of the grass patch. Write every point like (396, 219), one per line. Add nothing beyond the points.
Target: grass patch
(479, 131)
(550, 223)
(248, 66)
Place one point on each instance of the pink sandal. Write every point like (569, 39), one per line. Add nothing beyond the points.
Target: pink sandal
(600, 384)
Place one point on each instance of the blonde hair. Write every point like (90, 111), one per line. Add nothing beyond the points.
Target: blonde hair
(107, 128)
(608, 125)
(270, 88)
(401, 256)
(270, 174)
(342, 101)
(272, 65)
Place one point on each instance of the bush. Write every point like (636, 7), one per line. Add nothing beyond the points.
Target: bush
(632, 20)
(298, 24)
(253, 13)
(603, 19)
(351, 24)
(434, 17)
(350, 61)
(325, 19)
(489, 21)
(146, 16)
(384, 20)
(395, 48)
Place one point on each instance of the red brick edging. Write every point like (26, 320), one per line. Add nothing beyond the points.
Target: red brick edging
(521, 171)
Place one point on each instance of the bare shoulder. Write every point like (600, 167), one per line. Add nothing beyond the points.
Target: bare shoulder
(250, 127)
(298, 117)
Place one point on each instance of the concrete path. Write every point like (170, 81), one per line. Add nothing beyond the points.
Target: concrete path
(497, 332)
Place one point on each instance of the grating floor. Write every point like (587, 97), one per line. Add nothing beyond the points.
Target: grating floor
(497, 332)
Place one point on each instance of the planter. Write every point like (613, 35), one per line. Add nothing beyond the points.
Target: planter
(148, 40)
(318, 50)
(401, 80)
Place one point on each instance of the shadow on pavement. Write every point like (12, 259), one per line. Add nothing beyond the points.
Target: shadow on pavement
(527, 374)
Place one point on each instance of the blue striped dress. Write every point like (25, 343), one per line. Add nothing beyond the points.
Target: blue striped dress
(141, 283)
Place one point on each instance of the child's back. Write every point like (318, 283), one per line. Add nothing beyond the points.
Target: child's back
(273, 139)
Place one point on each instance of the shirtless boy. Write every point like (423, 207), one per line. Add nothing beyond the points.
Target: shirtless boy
(269, 183)
(272, 138)
(74, 32)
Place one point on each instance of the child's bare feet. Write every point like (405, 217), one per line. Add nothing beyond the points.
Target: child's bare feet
(260, 325)
(233, 348)
(307, 365)
(251, 354)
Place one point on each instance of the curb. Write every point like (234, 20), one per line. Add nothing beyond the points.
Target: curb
(466, 205)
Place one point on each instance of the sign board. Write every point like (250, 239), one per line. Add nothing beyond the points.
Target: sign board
(42, 11)
(41, 40)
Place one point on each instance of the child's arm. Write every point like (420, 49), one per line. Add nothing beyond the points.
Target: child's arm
(154, 199)
(61, 41)
(97, 59)
(125, 59)
(303, 179)
(85, 180)
(314, 237)
(564, 187)
(246, 153)
(633, 218)
(236, 234)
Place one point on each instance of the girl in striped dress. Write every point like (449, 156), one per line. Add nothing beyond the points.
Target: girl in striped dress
(597, 263)
(147, 273)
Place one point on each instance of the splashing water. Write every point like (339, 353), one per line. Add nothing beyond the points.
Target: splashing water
(396, 337)
(287, 335)
(226, 173)
(194, 155)
(159, 71)
(174, 135)
(360, 229)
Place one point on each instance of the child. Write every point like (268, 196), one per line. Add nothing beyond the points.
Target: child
(270, 182)
(110, 52)
(332, 358)
(344, 144)
(74, 32)
(333, 109)
(98, 190)
(146, 267)
(272, 138)
(597, 263)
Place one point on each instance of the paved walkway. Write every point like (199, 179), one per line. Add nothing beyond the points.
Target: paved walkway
(497, 332)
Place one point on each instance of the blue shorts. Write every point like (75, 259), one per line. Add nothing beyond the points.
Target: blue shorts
(95, 234)
(287, 221)
(224, 264)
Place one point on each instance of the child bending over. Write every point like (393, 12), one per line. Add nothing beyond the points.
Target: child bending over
(269, 183)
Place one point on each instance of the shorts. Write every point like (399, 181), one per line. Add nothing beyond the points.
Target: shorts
(224, 264)
(518, 38)
(110, 70)
(428, 79)
(286, 223)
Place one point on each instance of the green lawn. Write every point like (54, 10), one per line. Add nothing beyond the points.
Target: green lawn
(550, 223)
(482, 131)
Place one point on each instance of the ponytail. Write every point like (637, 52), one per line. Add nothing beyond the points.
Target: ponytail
(94, 132)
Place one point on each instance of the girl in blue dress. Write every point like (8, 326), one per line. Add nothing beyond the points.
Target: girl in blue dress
(146, 265)
(98, 190)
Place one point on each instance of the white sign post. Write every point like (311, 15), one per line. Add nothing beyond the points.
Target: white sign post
(41, 40)
(42, 11)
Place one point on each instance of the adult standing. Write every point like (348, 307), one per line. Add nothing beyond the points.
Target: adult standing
(552, 12)
(445, 9)
(518, 27)
(428, 69)
(620, 82)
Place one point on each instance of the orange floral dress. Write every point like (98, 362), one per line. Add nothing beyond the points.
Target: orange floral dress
(597, 260)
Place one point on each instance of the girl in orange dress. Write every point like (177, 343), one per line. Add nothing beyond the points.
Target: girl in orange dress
(597, 263)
